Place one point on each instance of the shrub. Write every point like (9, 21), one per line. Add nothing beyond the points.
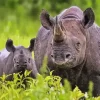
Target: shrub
(48, 88)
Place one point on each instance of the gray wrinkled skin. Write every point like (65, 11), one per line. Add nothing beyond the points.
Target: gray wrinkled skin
(19, 59)
(72, 45)
(3, 54)
(1, 67)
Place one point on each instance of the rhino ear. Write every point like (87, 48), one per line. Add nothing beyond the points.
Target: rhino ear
(46, 21)
(9, 45)
(31, 47)
(88, 18)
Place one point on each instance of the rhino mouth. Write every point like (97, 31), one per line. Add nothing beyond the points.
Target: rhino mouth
(20, 66)
(68, 63)
(64, 65)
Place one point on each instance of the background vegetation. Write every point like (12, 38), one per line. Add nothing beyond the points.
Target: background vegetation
(19, 20)
(21, 17)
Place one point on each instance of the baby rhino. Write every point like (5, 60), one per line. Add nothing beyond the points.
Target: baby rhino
(19, 59)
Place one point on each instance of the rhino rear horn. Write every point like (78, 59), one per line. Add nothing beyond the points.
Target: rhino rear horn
(46, 21)
(9, 45)
(88, 18)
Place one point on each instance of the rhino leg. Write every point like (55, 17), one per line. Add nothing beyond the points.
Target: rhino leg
(39, 53)
(40, 47)
(96, 85)
(33, 69)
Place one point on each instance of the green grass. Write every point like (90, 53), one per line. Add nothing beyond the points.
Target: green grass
(19, 30)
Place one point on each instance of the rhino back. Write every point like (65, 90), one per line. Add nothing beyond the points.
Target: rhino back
(8, 64)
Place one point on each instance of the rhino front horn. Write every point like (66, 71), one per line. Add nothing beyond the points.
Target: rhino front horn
(58, 33)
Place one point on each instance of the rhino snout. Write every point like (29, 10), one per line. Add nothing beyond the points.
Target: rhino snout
(21, 63)
(61, 58)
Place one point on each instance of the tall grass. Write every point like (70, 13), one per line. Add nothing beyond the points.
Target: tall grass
(19, 30)
(48, 88)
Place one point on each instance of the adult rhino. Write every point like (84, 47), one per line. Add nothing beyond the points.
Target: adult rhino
(19, 59)
(71, 42)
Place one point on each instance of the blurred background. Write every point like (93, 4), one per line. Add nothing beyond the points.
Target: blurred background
(21, 17)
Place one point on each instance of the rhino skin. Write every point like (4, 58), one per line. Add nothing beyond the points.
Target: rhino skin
(1, 67)
(71, 42)
(18, 59)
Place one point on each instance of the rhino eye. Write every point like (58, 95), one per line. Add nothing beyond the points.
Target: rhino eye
(52, 55)
(29, 60)
(51, 44)
(14, 60)
(78, 44)
(68, 55)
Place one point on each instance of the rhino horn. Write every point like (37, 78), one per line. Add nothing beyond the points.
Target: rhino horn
(58, 32)
(21, 52)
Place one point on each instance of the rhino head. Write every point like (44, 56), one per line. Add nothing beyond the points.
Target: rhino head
(22, 57)
(68, 42)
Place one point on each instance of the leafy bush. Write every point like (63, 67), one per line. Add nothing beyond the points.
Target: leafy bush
(48, 88)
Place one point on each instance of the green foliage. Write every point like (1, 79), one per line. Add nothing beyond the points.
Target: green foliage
(33, 7)
(23, 15)
(48, 88)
